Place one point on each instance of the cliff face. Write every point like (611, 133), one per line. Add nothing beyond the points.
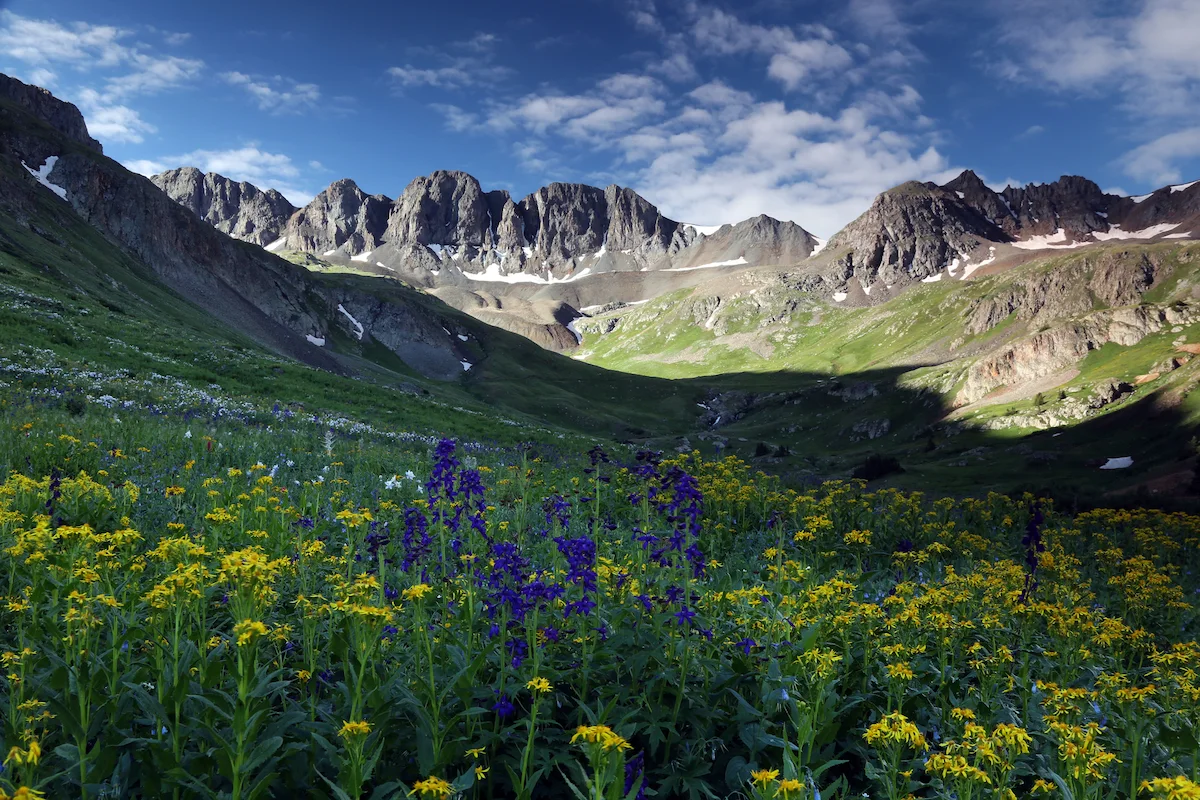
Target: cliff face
(911, 232)
(64, 117)
(342, 216)
(241, 210)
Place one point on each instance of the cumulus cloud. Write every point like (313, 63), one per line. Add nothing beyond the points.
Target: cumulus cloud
(1158, 161)
(290, 96)
(248, 163)
(792, 59)
(1144, 53)
(108, 68)
(113, 123)
(457, 119)
(709, 152)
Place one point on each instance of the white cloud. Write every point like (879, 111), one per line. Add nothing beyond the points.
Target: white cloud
(107, 70)
(113, 123)
(792, 60)
(295, 98)
(248, 163)
(1157, 162)
(448, 71)
(456, 119)
(43, 77)
(718, 93)
(442, 77)
(1143, 53)
(46, 41)
(710, 152)
(152, 75)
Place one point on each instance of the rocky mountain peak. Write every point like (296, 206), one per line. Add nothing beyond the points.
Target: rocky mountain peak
(1072, 203)
(446, 207)
(239, 209)
(340, 216)
(911, 232)
(64, 117)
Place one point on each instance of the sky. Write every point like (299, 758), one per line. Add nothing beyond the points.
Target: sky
(714, 111)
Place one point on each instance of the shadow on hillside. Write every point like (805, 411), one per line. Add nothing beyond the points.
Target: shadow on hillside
(810, 427)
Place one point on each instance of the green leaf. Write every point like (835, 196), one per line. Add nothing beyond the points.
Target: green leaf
(261, 752)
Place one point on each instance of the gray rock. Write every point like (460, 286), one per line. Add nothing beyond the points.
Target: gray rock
(444, 208)
(241, 210)
(911, 232)
(341, 216)
(64, 117)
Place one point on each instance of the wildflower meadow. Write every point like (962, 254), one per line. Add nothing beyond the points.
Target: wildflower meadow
(271, 606)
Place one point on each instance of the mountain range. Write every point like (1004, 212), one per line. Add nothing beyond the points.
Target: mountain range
(941, 313)
(568, 247)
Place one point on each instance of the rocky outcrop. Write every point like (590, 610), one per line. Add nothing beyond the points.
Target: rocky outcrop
(444, 208)
(564, 221)
(1051, 351)
(911, 232)
(758, 240)
(239, 209)
(64, 117)
(1114, 278)
(342, 216)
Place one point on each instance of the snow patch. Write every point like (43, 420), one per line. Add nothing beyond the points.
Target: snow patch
(820, 246)
(43, 176)
(437, 250)
(932, 278)
(972, 267)
(1183, 187)
(276, 245)
(1115, 232)
(385, 266)
(492, 273)
(1118, 463)
(358, 332)
(463, 338)
(528, 251)
(466, 365)
(329, 252)
(603, 249)
(1178, 236)
(572, 329)
(961, 196)
(839, 296)
(361, 256)
(1141, 197)
(319, 341)
(735, 262)
(1056, 240)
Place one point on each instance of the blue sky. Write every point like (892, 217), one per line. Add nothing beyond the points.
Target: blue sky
(714, 111)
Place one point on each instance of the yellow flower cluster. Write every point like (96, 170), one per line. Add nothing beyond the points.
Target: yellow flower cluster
(895, 728)
(1178, 788)
(600, 734)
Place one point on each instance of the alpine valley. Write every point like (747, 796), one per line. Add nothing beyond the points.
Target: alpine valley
(1034, 337)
